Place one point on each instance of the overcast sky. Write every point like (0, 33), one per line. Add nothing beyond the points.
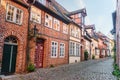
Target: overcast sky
(99, 12)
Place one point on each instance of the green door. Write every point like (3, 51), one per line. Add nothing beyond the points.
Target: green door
(9, 59)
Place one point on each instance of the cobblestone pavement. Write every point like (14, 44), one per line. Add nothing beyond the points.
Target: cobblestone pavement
(87, 70)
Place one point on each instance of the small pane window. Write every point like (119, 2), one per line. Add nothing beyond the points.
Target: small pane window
(54, 49)
(14, 14)
(36, 17)
(56, 24)
(62, 50)
(48, 21)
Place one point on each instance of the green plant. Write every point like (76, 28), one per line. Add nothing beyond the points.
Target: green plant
(116, 71)
(86, 55)
(31, 67)
(93, 56)
(51, 66)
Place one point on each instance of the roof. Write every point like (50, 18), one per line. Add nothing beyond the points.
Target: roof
(83, 11)
(90, 26)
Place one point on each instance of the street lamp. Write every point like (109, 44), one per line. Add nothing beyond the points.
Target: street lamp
(35, 31)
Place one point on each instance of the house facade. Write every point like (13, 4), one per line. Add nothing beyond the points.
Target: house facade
(13, 36)
(87, 40)
(74, 44)
(52, 40)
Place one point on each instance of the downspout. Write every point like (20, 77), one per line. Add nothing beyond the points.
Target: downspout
(28, 30)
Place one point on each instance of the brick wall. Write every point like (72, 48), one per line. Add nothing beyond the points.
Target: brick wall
(49, 35)
(19, 31)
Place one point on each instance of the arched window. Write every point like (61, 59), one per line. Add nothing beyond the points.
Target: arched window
(11, 40)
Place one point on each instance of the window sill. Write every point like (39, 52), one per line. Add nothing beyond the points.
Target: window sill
(13, 22)
(53, 56)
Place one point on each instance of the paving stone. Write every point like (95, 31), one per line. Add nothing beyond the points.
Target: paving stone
(87, 70)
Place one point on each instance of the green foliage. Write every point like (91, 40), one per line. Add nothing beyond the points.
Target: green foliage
(93, 56)
(31, 67)
(86, 55)
(116, 71)
(51, 66)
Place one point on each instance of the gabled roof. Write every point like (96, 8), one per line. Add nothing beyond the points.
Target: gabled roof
(83, 11)
(90, 26)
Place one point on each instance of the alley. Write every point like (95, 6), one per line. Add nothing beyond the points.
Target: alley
(87, 70)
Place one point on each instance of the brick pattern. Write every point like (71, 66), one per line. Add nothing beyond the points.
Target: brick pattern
(49, 35)
(19, 31)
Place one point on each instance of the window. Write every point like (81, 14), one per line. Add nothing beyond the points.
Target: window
(14, 14)
(75, 31)
(54, 49)
(35, 17)
(74, 49)
(48, 20)
(62, 49)
(56, 24)
(97, 52)
(77, 49)
(65, 28)
(72, 33)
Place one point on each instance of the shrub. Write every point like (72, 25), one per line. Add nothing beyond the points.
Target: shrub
(93, 56)
(86, 55)
(31, 67)
(51, 66)
(116, 71)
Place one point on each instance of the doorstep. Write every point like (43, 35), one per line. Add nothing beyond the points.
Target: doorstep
(3, 77)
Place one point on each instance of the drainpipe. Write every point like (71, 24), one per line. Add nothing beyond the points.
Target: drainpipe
(28, 30)
(27, 47)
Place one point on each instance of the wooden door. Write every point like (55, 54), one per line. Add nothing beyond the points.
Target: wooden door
(9, 59)
(39, 52)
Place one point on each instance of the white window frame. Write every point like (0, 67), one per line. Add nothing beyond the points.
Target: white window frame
(55, 46)
(47, 20)
(73, 48)
(62, 47)
(14, 14)
(65, 26)
(36, 14)
(77, 49)
(57, 22)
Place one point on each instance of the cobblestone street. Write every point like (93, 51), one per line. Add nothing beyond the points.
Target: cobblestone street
(87, 70)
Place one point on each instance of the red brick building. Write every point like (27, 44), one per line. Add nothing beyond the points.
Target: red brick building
(51, 45)
(102, 46)
(13, 36)
(40, 37)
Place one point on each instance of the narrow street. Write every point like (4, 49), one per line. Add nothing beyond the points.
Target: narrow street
(87, 70)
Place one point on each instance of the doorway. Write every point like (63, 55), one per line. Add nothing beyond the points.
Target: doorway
(9, 55)
(39, 52)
